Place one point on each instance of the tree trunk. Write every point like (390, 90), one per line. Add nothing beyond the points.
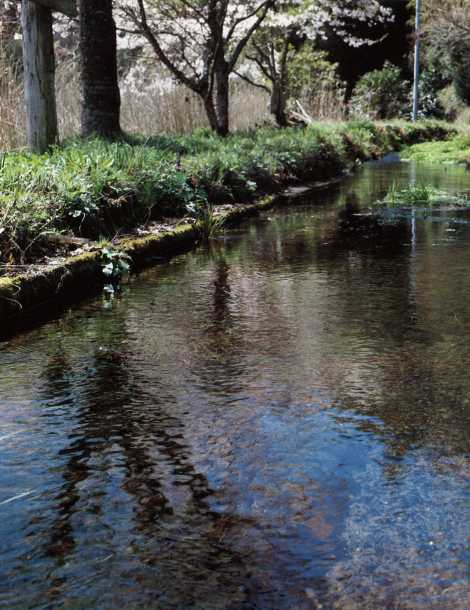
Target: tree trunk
(217, 108)
(223, 101)
(211, 112)
(39, 75)
(101, 101)
(278, 104)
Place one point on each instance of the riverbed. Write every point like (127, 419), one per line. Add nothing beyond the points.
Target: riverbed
(279, 420)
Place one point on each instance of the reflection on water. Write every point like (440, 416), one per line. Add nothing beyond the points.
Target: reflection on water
(281, 421)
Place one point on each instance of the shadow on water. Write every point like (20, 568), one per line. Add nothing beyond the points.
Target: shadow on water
(278, 421)
(127, 499)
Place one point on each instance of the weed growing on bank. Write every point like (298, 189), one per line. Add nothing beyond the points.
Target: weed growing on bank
(97, 189)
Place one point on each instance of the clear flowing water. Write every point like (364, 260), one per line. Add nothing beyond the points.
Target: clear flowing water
(279, 422)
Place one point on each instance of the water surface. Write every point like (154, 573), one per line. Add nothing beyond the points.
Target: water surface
(280, 421)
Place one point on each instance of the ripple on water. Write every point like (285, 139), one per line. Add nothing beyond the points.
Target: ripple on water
(279, 421)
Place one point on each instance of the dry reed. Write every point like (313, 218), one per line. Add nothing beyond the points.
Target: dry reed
(151, 110)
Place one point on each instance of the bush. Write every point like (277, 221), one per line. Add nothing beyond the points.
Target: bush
(451, 104)
(461, 63)
(381, 94)
(430, 86)
(315, 82)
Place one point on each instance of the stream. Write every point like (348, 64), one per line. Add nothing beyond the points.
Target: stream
(278, 421)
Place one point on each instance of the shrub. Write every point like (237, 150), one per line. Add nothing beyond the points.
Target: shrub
(461, 63)
(430, 105)
(450, 102)
(381, 94)
(315, 82)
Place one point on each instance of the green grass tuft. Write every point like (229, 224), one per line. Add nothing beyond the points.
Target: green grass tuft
(422, 195)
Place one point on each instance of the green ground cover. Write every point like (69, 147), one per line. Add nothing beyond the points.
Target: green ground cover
(455, 150)
(96, 189)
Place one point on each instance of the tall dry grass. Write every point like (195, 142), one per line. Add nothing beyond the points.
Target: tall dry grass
(150, 110)
(326, 103)
(153, 110)
(12, 115)
(178, 111)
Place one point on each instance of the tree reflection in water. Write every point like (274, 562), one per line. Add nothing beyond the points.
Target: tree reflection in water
(131, 498)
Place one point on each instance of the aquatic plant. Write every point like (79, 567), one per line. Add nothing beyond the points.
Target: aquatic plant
(204, 213)
(412, 195)
(422, 195)
(115, 265)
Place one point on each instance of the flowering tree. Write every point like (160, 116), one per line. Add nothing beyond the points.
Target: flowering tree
(200, 43)
(270, 52)
(292, 23)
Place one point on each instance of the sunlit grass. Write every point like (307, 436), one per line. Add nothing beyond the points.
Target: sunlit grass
(456, 150)
(96, 188)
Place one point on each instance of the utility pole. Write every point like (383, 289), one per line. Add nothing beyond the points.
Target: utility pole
(417, 61)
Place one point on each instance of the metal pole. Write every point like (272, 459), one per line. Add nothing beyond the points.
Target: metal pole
(417, 59)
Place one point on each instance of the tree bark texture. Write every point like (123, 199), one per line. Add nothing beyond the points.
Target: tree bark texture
(211, 113)
(217, 105)
(99, 77)
(278, 104)
(39, 75)
(223, 100)
(280, 85)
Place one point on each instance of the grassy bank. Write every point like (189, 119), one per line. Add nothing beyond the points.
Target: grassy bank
(95, 189)
(454, 150)
(28, 298)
